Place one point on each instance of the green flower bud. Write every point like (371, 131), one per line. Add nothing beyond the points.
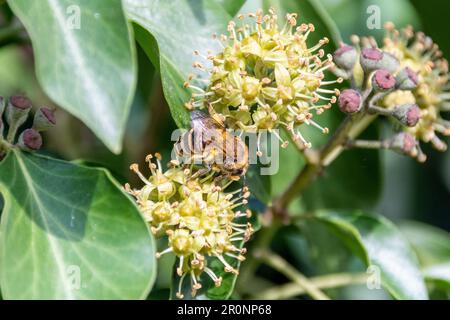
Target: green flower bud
(406, 79)
(16, 114)
(345, 57)
(404, 143)
(389, 63)
(370, 59)
(407, 114)
(17, 110)
(44, 119)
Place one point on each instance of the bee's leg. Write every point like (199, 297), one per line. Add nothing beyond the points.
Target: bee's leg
(200, 173)
(211, 174)
(219, 179)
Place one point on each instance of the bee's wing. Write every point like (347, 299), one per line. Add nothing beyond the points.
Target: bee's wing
(202, 121)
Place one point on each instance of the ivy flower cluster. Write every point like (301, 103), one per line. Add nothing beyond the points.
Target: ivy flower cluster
(13, 114)
(267, 77)
(201, 219)
(405, 79)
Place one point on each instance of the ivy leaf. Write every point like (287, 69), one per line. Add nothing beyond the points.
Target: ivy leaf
(232, 6)
(309, 11)
(259, 184)
(432, 246)
(69, 232)
(84, 60)
(379, 243)
(178, 27)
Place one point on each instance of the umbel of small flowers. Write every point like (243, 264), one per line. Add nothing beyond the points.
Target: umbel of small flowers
(266, 77)
(405, 79)
(201, 220)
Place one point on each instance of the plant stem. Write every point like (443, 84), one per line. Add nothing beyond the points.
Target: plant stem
(262, 242)
(329, 281)
(278, 263)
(367, 144)
(4, 145)
(350, 128)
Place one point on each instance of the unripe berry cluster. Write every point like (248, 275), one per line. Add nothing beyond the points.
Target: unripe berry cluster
(405, 79)
(15, 113)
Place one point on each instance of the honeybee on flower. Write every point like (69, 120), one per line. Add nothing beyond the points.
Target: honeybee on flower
(267, 77)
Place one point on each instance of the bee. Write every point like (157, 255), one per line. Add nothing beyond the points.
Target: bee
(208, 142)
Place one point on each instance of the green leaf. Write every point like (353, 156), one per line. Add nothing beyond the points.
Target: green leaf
(179, 27)
(309, 11)
(258, 184)
(90, 71)
(232, 6)
(69, 232)
(379, 243)
(357, 13)
(439, 272)
(432, 246)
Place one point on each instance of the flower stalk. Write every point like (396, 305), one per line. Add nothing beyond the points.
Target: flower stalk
(329, 281)
(282, 266)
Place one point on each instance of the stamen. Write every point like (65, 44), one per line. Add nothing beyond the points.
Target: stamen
(160, 254)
